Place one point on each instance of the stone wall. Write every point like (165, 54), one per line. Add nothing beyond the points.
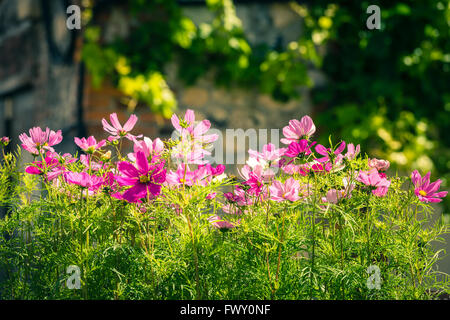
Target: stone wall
(37, 87)
(36, 82)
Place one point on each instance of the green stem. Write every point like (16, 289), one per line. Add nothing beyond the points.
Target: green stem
(195, 258)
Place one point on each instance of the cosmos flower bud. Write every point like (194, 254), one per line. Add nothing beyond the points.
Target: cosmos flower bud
(4, 141)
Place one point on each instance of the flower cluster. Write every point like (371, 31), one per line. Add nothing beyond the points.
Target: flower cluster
(279, 175)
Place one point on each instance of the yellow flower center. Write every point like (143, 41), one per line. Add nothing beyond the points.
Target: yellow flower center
(144, 179)
(422, 193)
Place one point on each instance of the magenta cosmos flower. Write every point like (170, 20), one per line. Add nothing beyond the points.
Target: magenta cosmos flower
(52, 167)
(297, 130)
(40, 140)
(298, 149)
(116, 130)
(327, 153)
(373, 179)
(426, 191)
(145, 179)
(89, 145)
(287, 191)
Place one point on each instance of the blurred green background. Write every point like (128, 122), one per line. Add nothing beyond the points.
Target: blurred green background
(387, 89)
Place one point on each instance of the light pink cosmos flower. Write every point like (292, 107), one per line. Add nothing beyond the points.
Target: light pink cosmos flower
(189, 151)
(149, 147)
(258, 170)
(426, 191)
(291, 168)
(297, 130)
(86, 160)
(380, 165)
(352, 152)
(83, 179)
(285, 191)
(187, 177)
(186, 124)
(269, 153)
(89, 145)
(193, 138)
(39, 140)
(334, 196)
(197, 132)
(373, 179)
(116, 130)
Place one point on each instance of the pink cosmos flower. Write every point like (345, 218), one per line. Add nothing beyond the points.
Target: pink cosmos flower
(145, 179)
(37, 167)
(334, 196)
(291, 168)
(149, 147)
(187, 177)
(372, 178)
(287, 191)
(83, 179)
(426, 191)
(233, 209)
(380, 165)
(219, 223)
(316, 167)
(269, 153)
(297, 130)
(116, 130)
(217, 171)
(190, 150)
(298, 149)
(327, 152)
(258, 168)
(211, 195)
(39, 140)
(239, 197)
(89, 145)
(186, 124)
(86, 160)
(197, 132)
(255, 183)
(352, 152)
